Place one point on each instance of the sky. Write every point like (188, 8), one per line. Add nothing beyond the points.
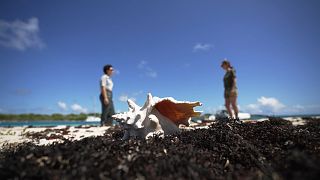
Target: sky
(52, 53)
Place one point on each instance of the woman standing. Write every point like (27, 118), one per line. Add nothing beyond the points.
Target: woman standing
(106, 86)
(230, 90)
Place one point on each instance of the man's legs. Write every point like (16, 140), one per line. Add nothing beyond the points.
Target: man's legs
(110, 110)
(104, 111)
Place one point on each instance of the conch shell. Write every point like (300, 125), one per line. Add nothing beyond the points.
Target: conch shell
(157, 116)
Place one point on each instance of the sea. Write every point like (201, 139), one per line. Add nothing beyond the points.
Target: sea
(48, 123)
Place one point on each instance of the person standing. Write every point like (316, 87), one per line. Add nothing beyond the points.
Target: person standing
(230, 90)
(106, 86)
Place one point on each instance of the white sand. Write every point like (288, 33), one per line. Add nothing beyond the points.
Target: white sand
(296, 121)
(14, 135)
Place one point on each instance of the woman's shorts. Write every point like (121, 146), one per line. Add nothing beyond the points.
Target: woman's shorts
(230, 93)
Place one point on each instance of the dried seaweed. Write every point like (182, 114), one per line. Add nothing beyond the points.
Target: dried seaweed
(267, 150)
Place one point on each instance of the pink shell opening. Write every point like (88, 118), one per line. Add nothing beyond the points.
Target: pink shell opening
(178, 113)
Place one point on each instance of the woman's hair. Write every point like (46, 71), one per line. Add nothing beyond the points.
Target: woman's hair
(106, 68)
(226, 62)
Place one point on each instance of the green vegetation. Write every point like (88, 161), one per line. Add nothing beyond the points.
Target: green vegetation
(37, 117)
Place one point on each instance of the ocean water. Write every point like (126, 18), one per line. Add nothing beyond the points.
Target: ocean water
(47, 123)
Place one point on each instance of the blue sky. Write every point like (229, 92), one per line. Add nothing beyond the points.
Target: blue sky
(52, 53)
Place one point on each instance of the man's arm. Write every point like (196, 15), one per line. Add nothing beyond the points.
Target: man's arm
(104, 95)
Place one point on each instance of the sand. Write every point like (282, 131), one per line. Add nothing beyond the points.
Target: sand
(47, 135)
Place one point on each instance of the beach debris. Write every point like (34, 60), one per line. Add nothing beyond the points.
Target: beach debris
(158, 116)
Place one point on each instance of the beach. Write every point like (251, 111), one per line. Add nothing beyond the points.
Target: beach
(48, 135)
(270, 149)
(44, 135)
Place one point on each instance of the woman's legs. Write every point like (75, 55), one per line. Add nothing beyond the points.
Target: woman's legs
(233, 101)
(227, 104)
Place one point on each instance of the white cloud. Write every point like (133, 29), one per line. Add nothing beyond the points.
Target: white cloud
(151, 73)
(142, 64)
(307, 109)
(266, 105)
(270, 106)
(116, 71)
(20, 35)
(271, 103)
(137, 93)
(78, 108)
(202, 47)
(62, 105)
(147, 70)
(254, 109)
(125, 97)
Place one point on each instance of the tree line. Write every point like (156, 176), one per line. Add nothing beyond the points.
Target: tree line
(38, 117)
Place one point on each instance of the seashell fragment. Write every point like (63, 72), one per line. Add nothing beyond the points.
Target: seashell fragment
(157, 116)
